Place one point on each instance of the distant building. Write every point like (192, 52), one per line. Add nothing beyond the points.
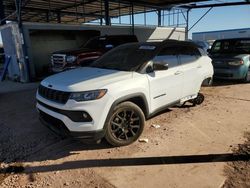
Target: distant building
(211, 36)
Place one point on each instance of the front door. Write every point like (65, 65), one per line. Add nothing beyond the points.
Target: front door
(165, 85)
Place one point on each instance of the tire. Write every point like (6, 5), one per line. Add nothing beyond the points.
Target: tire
(247, 77)
(199, 99)
(125, 125)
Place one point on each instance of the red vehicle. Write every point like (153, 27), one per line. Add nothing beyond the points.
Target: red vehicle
(89, 52)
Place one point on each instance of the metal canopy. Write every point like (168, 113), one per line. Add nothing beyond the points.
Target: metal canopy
(81, 11)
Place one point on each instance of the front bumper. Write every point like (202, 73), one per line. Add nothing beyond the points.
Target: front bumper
(58, 127)
(64, 118)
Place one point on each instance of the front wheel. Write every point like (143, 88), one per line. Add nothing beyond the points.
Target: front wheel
(125, 125)
(247, 78)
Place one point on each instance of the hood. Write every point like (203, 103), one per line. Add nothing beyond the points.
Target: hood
(76, 51)
(84, 79)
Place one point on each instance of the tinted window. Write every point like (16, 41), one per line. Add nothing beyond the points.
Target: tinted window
(189, 54)
(95, 43)
(231, 46)
(167, 56)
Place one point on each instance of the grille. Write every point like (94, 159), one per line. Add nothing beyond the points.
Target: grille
(53, 95)
(58, 60)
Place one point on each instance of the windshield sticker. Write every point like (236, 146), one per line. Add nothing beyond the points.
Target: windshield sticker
(147, 47)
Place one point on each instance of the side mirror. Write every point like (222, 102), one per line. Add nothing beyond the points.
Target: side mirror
(149, 69)
(160, 67)
(209, 51)
(109, 46)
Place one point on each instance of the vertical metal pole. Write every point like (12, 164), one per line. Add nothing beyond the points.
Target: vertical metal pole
(83, 10)
(159, 18)
(101, 14)
(133, 20)
(76, 9)
(173, 17)
(163, 18)
(49, 11)
(187, 27)
(26, 58)
(107, 18)
(58, 14)
(2, 14)
(178, 18)
(47, 16)
(169, 18)
(120, 19)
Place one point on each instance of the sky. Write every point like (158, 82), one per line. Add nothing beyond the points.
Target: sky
(220, 18)
(223, 18)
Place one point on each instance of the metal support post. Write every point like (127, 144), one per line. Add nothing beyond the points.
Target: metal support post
(159, 18)
(107, 18)
(2, 13)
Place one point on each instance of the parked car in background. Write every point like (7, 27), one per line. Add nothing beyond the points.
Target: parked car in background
(231, 59)
(113, 96)
(87, 53)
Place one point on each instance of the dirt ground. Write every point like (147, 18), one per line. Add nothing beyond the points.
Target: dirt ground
(194, 147)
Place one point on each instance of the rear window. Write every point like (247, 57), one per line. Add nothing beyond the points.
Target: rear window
(231, 46)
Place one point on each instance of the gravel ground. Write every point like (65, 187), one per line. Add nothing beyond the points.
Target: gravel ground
(32, 156)
(238, 173)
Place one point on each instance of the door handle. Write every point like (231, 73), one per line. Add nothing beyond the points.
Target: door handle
(178, 72)
(199, 66)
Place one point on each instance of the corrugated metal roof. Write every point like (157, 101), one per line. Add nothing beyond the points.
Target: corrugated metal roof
(80, 11)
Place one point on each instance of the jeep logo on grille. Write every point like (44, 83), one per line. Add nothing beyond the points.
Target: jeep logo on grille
(50, 85)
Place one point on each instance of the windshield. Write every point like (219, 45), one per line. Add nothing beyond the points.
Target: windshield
(127, 57)
(95, 43)
(231, 46)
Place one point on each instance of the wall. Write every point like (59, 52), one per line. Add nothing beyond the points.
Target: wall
(224, 34)
(42, 40)
(13, 49)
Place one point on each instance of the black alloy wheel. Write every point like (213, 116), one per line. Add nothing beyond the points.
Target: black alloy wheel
(125, 125)
(199, 99)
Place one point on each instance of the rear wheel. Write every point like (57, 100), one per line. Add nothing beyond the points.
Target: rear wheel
(198, 100)
(125, 124)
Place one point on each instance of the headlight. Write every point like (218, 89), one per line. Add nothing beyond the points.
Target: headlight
(88, 95)
(70, 59)
(236, 63)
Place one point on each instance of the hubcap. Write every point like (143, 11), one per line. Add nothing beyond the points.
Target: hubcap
(125, 124)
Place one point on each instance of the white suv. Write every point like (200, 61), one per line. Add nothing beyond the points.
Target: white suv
(113, 97)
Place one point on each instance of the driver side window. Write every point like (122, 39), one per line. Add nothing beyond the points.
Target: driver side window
(167, 56)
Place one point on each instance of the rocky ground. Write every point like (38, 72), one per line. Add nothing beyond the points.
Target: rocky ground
(192, 147)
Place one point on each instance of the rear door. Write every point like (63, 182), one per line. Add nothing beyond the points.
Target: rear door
(165, 85)
(190, 67)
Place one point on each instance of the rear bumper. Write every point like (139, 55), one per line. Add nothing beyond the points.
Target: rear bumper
(230, 74)
(58, 127)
